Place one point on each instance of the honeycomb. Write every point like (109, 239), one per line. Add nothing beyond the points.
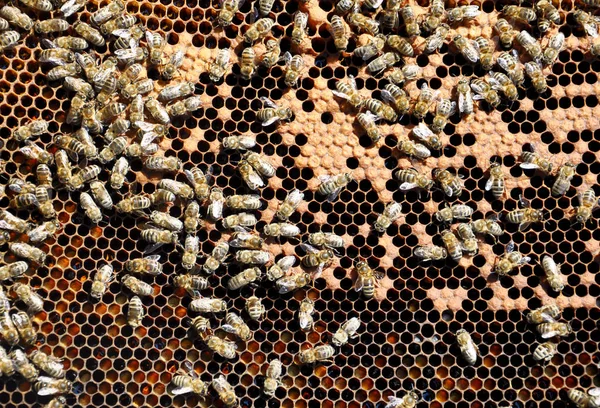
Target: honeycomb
(406, 340)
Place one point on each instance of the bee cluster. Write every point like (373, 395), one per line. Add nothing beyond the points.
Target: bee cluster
(120, 109)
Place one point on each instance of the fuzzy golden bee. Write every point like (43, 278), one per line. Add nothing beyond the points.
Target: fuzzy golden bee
(305, 312)
(346, 332)
(587, 204)
(256, 310)
(411, 178)
(553, 275)
(545, 351)
(225, 391)
(137, 286)
(484, 91)
(409, 400)
(495, 183)
(510, 260)
(534, 161)
(544, 314)
(292, 282)
(431, 253)
(538, 79)
(280, 268)
(468, 349)
(367, 279)
(320, 353)
(234, 324)
(562, 183)
(391, 213)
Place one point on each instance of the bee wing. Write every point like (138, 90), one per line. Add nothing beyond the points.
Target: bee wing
(494, 84)
(547, 318)
(523, 226)
(229, 328)
(256, 179)
(422, 131)
(73, 155)
(5, 225)
(47, 389)
(448, 190)
(215, 209)
(594, 391)
(181, 390)
(379, 275)
(70, 7)
(48, 44)
(387, 96)
(153, 258)
(148, 138)
(529, 166)
(286, 262)
(267, 102)
(407, 186)
(510, 247)
(358, 285)
(187, 173)
(340, 94)
(324, 178)
(295, 197)
(287, 58)
(36, 234)
(123, 33)
(524, 260)
(309, 248)
(125, 53)
(488, 185)
(331, 197)
(591, 30)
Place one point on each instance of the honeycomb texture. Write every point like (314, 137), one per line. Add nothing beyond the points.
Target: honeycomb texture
(112, 364)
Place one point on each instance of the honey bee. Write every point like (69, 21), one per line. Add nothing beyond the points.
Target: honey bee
(52, 386)
(116, 147)
(380, 110)
(224, 348)
(331, 186)
(225, 390)
(190, 252)
(136, 150)
(90, 150)
(136, 286)
(271, 113)
(410, 21)
(466, 48)
(294, 69)
(562, 183)
(32, 129)
(192, 219)
(108, 12)
(549, 330)
(401, 45)
(292, 282)
(367, 122)
(256, 310)
(272, 53)
(383, 62)
(588, 21)
(509, 62)
(260, 164)
(496, 181)
(169, 69)
(208, 305)
(119, 172)
(462, 13)
(547, 14)
(468, 349)
(218, 68)
(371, 49)
(325, 239)
(35, 152)
(170, 92)
(538, 79)
(553, 275)
(135, 312)
(4, 302)
(554, 47)
(101, 194)
(166, 221)
(7, 367)
(157, 111)
(450, 184)
(129, 37)
(228, 10)
(23, 325)
(178, 188)
(239, 220)
(521, 14)
(201, 325)
(531, 160)
(235, 325)
(161, 163)
(587, 203)
(184, 107)
(363, 23)
(280, 268)
(24, 201)
(408, 401)
(89, 34)
(413, 149)
(71, 43)
(21, 187)
(453, 245)
(130, 55)
(89, 121)
(339, 33)
(43, 231)
(91, 209)
(485, 47)
(391, 213)
(103, 276)
(28, 252)
(346, 332)
(469, 240)
(320, 353)
(156, 43)
(299, 30)
(16, 17)
(140, 87)
(396, 96)
(258, 30)
(218, 255)
(244, 202)
(424, 101)
(244, 278)
(444, 109)
(432, 20)
(22, 365)
(530, 45)
(185, 383)
(305, 312)
(465, 98)
(13, 223)
(273, 378)
(545, 351)
(580, 398)
(407, 73)
(49, 364)
(147, 265)
(348, 91)
(510, 260)
(52, 25)
(544, 314)
(390, 15)
(282, 229)
(458, 211)
(121, 22)
(317, 258)
(199, 181)
(367, 279)
(80, 86)
(191, 283)
(344, 6)
(133, 204)
(484, 91)
(435, 41)
(58, 402)
(410, 178)
(159, 236)
(431, 253)
(289, 205)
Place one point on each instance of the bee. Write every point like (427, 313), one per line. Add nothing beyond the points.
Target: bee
(130, 55)
(339, 33)
(116, 147)
(218, 255)
(588, 21)
(553, 275)
(147, 265)
(367, 279)
(159, 236)
(431, 253)
(424, 101)
(244, 202)
(466, 48)
(394, 95)
(444, 109)
(299, 30)
(71, 43)
(510, 63)
(485, 91)
(510, 260)
(49, 364)
(380, 110)
(184, 107)
(453, 245)
(43, 231)
(185, 383)
(485, 47)
(91, 209)
(580, 398)
(289, 205)
(228, 10)
(225, 390)
(224, 348)
(496, 181)
(434, 17)
(348, 91)
(4, 302)
(90, 150)
(282, 229)
(530, 44)
(458, 211)
(258, 30)
(256, 310)
(410, 21)
(133, 204)
(435, 41)
(294, 69)
(89, 120)
(538, 79)
(23, 201)
(531, 160)
(280, 268)
(363, 23)
(346, 332)
(462, 13)
(22, 365)
(521, 14)
(344, 6)
(136, 286)
(28, 252)
(468, 349)
(383, 62)
(103, 276)
(305, 312)
(190, 252)
(166, 221)
(547, 14)
(169, 69)
(292, 282)
(271, 113)
(371, 49)
(450, 184)
(16, 17)
(58, 402)
(587, 203)
(325, 239)
(242, 220)
(121, 22)
(554, 47)
(544, 314)
(13, 223)
(400, 45)
(191, 283)
(119, 173)
(168, 93)
(465, 98)
(140, 87)
(244, 278)
(273, 378)
(136, 150)
(72, 146)
(218, 68)
(108, 12)
(7, 367)
(272, 53)
(178, 188)
(71, 6)
(52, 25)
(52, 386)
(32, 129)
(331, 186)
(562, 183)
(157, 111)
(161, 163)
(323, 352)
(23, 325)
(34, 152)
(391, 213)
(208, 305)
(89, 34)
(549, 330)
(80, 86)
(545, 351)
(410, 178)
(156, 43)
(469, 240)
(235, 324)
(192, 219)
(317, 258)
(408, 401)
(21, 187)
(367, 122)
(201, 325)
(199, 181)
(101, 194)
(594, 4)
